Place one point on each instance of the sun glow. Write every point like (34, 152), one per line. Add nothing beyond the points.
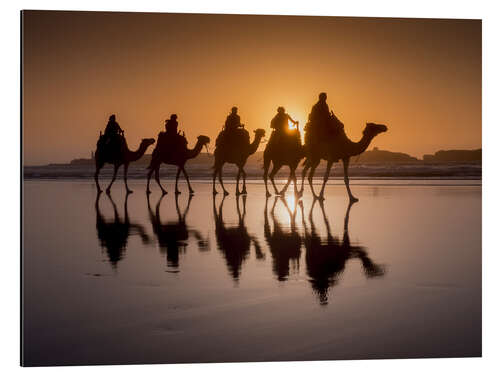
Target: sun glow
(290, 200)
(291, 125)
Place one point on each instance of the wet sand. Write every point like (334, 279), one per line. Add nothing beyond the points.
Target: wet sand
(397, 275)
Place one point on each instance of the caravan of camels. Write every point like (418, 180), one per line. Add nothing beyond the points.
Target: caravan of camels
(325, 139)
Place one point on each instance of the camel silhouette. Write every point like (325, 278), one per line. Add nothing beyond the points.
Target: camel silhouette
(326, 258)
(333, 149)
(234, 241)
(113, 235)
(173, 236)
(124, 156)
(285, 149)
(284, 245)
(179, 158)
(236, 152)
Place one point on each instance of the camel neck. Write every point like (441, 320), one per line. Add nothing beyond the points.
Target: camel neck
(361, 146)
(195, 151)
(254, 145)
(137, 154)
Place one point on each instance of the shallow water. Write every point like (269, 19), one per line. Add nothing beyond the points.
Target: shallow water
(396, 275)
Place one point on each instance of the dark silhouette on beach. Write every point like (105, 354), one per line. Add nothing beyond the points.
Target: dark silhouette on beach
(173, 236)
(233, 121)
(233, 146)
(171, 148)
(112, 148)
(284, 244)
(326, 258)
(325, 138)
(234, 241)
(176, 156)
(284, 148)
(113, 234)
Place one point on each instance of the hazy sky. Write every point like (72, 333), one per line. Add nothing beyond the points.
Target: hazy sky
(422, 78)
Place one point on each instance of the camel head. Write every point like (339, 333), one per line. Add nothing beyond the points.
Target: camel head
(146, 142)
(373, 129)
(259, 133)
(203, 140)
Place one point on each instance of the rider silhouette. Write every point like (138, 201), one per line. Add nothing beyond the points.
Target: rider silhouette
(322, 121)
(112, 128)
(280, 121)
(171, 125)
(232, 120)
(112, 135)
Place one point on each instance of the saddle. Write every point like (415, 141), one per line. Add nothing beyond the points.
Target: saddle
(112, 144)
(172, 142)
(235, 137)
(288, 139)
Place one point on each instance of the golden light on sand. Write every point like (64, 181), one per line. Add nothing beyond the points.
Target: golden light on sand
(290, 200)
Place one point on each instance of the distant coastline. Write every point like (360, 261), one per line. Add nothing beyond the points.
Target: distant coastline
(375, 163)
(373, 156)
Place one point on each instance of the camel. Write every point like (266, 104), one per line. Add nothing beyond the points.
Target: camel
(236, 152)
(284, 150)
(340, 147)
(234, 242)
(179, 158)
(124, 156)
(326, 258)
(285, 245)
(173, 236)
(113, 235)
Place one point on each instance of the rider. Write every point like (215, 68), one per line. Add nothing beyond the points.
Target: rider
(280, 120)
(232, 120)
(171, 125)
(113, 133)
(322, 121)
(112, 128)
(171, 140)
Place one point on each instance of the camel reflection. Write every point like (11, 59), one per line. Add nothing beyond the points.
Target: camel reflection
(113, 234)
(234, 241)
(326, 259)
(173, 236)
(284, 244)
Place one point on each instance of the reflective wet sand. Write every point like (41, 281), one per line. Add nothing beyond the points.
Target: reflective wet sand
(115, 280)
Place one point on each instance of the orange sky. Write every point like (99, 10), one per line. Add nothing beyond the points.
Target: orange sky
(422, 78)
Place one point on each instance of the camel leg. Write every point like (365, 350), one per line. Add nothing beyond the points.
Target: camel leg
(148, 191)
(191, 191)
(238, 182)
(352, 198)
(313, 166)
(325, 179)
(108, 189)
(294, 177)
(96, 177)
(285, 188)
(222, 183)
(157, 179)
(125, 171)
(244, 191)
(304, 173)
(177, 191)
(214, 175)
(267, 162)
(271, 177)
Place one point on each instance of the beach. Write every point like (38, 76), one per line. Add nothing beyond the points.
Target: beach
(123, 280)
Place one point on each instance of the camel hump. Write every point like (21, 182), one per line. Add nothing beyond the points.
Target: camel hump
(110, 143)
(176, 141)
(239, 137)
(315, 133)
